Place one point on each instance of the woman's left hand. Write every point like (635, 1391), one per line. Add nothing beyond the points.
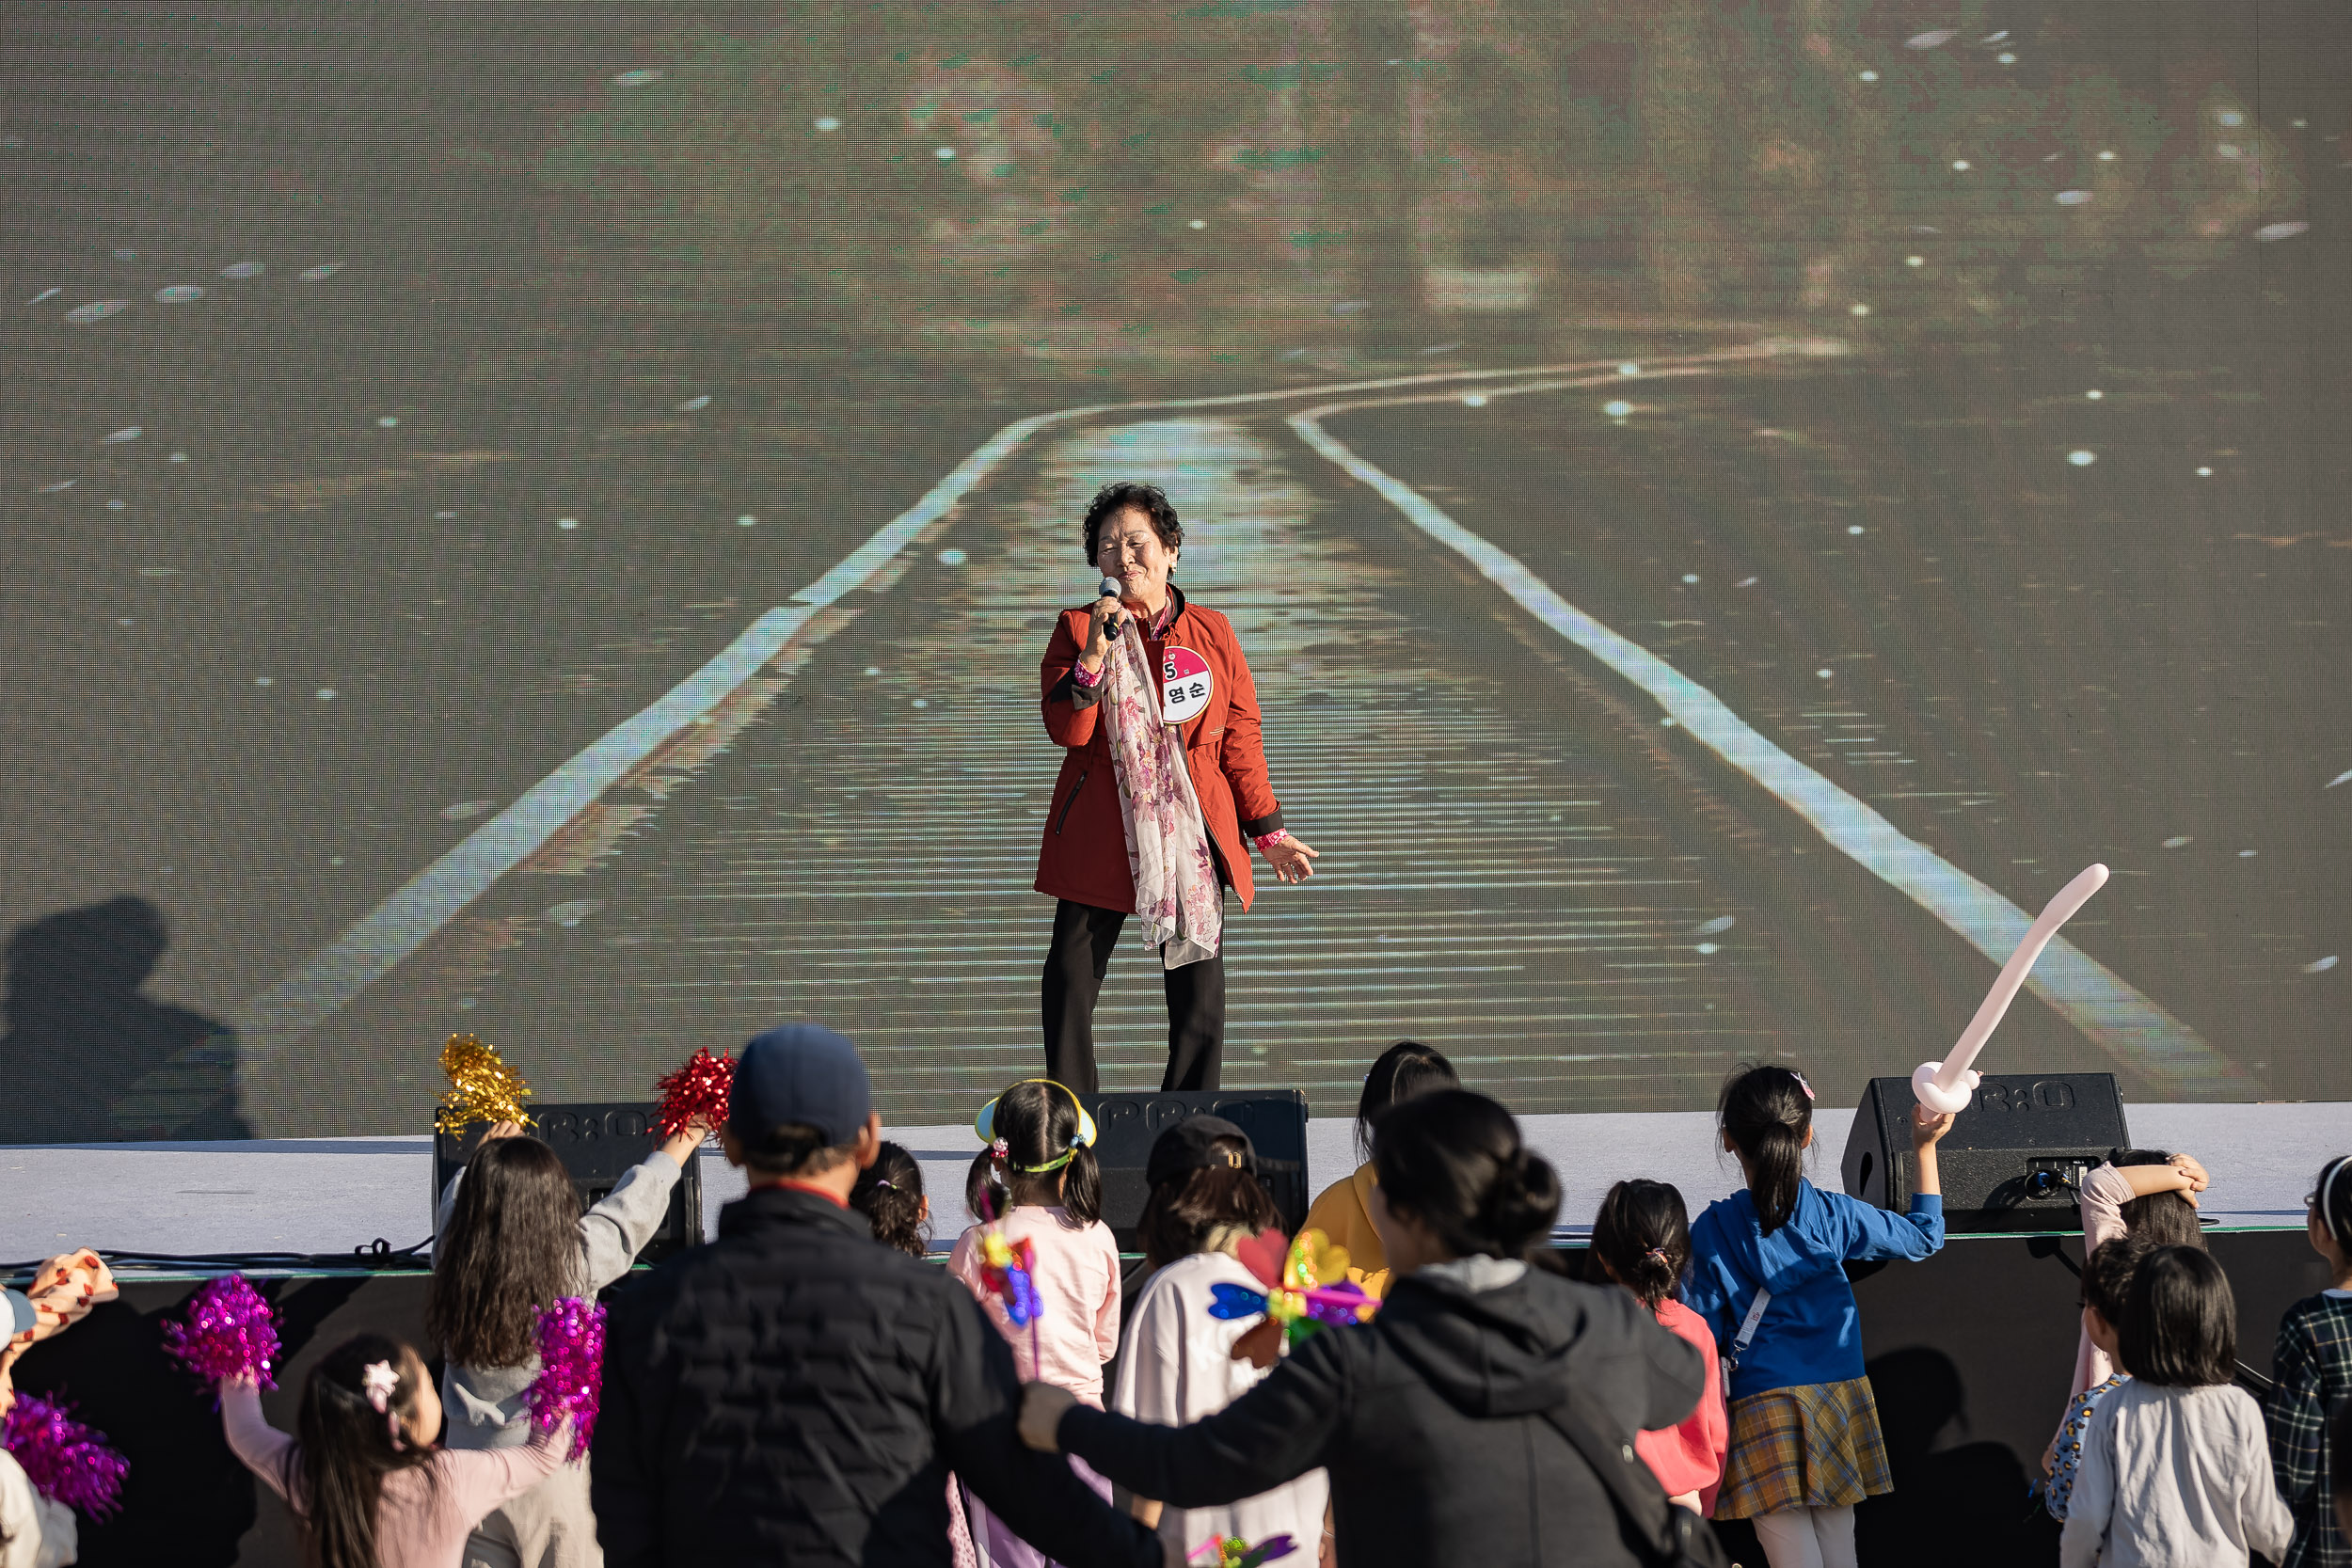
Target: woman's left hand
(1292, 858)
(1043, 1406)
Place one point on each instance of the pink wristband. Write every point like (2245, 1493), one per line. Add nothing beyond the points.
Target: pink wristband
(1279, 835)
(1084, 676)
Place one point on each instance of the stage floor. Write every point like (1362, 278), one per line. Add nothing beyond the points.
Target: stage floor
(333, 1194)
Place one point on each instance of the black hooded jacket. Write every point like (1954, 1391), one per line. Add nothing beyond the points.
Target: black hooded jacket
(1428, 1419)
(796, 1392)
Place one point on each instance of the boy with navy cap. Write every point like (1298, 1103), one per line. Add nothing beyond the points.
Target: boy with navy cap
(796, 1391)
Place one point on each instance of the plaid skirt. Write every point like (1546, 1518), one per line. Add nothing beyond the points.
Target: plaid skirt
(1817, 1446)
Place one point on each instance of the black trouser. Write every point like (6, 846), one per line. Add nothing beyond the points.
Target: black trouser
(1074, 966)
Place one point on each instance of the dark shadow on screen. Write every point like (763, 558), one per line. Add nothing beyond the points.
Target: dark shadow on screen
(1967, 1504)
(89, 1058)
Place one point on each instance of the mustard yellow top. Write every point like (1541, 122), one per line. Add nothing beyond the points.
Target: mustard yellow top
(1341, 1214)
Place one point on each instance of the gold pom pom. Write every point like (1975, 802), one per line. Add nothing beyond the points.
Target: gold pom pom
(480, 1087)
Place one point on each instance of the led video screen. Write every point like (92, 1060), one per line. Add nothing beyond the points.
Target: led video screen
(543, 522)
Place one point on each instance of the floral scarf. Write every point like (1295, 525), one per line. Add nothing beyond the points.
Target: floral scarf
(1177, 895)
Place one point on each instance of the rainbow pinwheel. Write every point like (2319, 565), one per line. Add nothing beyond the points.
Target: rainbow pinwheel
(1234, 1552)
(1006, 1271)
(1297, 1300)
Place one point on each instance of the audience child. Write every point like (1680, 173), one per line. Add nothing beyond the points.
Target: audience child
(2313, 1364)
(2107, 1287)
(1342, 1212)
(1178, 1364)
(1768, 1275)
(794, 1393)
(889, 1192)
(1039, 1177)
(37, 1532)
(368, 1485)
(2141, 1193)
(1441, 1422)
(2175, 1470)
(1642, 1240)
(2340, 1464)
(510, 1240)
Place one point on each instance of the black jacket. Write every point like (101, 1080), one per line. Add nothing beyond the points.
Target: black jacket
(797, 1392)
(1428, 1420)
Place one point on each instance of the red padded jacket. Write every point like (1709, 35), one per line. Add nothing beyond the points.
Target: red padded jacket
(1084, 857)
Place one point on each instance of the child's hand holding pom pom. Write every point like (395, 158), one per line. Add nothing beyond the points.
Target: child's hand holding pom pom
(230, 1335)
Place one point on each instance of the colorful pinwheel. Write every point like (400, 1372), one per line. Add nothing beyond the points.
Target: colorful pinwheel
(1006, 1270)
(1234, 1552)
(1297, 1300)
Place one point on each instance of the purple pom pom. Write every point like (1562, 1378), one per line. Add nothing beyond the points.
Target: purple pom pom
(571, 1369)
(230, 1333)
(66, 1460)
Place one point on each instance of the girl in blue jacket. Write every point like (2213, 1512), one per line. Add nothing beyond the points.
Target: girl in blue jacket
(1768, 1275)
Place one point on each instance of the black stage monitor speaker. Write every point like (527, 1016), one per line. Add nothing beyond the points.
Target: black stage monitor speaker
(2013, 1159)
(597, 1144)
(1126, 1124)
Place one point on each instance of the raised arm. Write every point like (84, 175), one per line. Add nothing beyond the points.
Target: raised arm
(265, 1450)
(616, 1229)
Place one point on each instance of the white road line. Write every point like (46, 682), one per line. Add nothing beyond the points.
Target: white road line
(2114, 1016)
(397, 927)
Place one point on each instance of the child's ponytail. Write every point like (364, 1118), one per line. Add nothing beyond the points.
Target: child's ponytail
(350, 1437)
(1643, 1233)
(889, 1192)
(1765, 1112)
(1041, 1141)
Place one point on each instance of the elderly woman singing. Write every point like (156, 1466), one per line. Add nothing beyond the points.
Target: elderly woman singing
(1162, 778)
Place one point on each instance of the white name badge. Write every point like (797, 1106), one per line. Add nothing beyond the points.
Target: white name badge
(1184, 684)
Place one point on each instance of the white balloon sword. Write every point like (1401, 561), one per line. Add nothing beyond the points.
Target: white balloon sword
(1946, 1087)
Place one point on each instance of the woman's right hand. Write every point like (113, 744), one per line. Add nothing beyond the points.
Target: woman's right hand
(1098, 646)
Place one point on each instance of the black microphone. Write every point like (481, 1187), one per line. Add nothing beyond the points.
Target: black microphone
(1110, 589)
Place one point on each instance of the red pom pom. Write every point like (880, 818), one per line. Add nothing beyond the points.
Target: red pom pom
(698, 1089)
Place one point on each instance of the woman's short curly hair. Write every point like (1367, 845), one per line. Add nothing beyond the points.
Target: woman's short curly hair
(1110, 501)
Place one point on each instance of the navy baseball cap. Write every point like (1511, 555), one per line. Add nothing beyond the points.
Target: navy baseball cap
(802, 1074)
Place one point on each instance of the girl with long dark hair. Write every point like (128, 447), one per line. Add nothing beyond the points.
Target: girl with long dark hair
(1343, 1211)
(1444, 1423)
(1039, 1179)
(368, 1485)
(513, 1239)
(1768, 1273)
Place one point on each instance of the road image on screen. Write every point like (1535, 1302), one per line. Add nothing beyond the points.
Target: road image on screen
(544, 524)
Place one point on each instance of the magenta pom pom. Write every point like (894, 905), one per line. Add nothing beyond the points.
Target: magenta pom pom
(66, 1460)
(571, 1369)
(230, 1333)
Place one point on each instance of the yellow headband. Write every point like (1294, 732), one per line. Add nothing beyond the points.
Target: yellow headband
(985, 1125)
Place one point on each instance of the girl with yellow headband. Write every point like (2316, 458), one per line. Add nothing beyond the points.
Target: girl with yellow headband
(1038, 1194)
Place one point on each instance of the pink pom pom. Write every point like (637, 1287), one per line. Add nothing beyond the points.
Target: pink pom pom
(66, 1461)
(230, 1333)
(571, 1369)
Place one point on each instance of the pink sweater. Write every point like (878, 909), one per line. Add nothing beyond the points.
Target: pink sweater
(422, 1522)
(1078, 1281)
(1690, 1457)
